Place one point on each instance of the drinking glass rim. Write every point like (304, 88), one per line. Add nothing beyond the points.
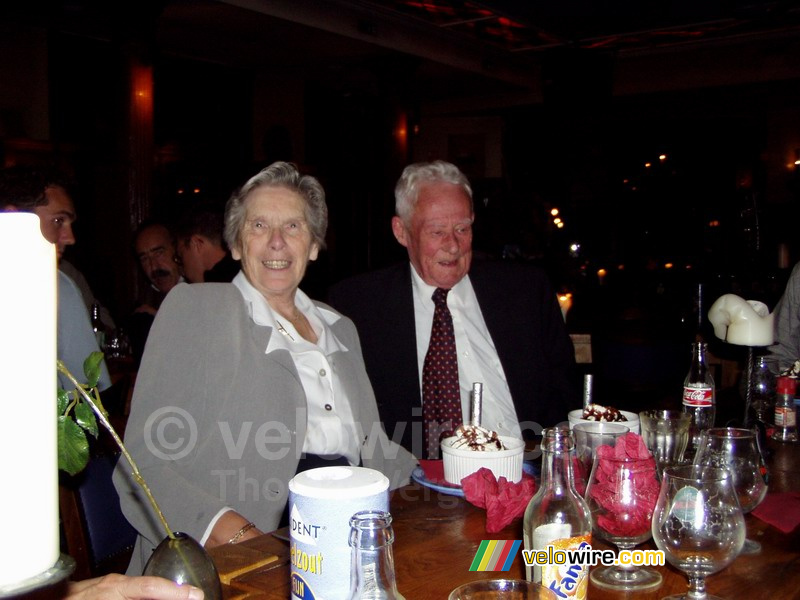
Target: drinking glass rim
(684, 473)
(668, 414)
(730, 432)
(600, 426)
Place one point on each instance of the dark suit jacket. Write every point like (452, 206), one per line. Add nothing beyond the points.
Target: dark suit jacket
(522, 315)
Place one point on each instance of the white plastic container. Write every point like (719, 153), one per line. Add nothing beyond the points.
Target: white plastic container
(321, 502)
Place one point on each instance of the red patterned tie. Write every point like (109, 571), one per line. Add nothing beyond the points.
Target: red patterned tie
(441, 394)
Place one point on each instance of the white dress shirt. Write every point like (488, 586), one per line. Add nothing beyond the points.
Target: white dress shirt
(477, 356)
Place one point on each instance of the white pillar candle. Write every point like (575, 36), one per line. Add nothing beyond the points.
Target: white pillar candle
(29, 539)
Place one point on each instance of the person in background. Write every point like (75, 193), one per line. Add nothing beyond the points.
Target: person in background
(44, 192)
(273, 382)
(85, 290)
(154, 248)
(787, 324)
(507, 331)
(202, 253)
(122, 587)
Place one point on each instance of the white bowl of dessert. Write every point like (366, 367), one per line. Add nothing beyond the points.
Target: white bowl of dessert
(595, 413)
(473, 448)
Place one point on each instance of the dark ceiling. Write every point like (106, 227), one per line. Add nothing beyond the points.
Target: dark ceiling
(443, 49)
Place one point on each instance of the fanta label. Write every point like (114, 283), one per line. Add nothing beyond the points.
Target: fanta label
(568, 581)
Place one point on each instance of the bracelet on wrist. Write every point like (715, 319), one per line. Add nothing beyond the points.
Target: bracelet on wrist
(241, 532)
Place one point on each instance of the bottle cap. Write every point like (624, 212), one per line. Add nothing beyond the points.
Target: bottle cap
(786, 385)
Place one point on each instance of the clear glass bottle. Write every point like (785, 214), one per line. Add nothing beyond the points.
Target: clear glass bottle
(785, 411)
(558, 516)
(372, 565)
(699, 397)
(98, 327)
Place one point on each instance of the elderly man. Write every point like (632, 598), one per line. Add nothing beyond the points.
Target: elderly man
(431, 327)
(202, 253)
(45, 193)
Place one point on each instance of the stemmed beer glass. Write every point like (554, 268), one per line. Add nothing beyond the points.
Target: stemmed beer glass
(698, 523)
(736, 450)
(621, 495)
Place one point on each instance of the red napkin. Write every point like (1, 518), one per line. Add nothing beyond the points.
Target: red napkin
(434, 472)
(623, 515)
(781, 510)
(504, 501)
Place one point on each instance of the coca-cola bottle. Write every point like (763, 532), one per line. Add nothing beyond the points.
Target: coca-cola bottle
(699, 398)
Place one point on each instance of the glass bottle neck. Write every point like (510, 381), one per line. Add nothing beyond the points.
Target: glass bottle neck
(557, 473)
(372, 574)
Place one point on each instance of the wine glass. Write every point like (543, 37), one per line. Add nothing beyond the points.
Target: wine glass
(698, 523)
(622, 495)
(183, 560)
(736, 450)
(588, 438)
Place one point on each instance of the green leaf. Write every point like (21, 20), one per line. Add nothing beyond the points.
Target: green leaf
(84, 416)
(91, 368)
(73, 447)
(63, 401)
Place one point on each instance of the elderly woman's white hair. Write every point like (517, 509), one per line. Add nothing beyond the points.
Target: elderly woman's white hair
(280, 175)
(406, 192)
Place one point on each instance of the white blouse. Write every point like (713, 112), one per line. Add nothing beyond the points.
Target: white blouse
(330, 426)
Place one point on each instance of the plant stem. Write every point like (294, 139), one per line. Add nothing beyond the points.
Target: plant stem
(107, 424)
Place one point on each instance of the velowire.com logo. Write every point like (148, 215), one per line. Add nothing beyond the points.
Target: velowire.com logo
(495, 555)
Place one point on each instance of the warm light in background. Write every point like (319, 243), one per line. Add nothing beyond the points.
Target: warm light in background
(560, 225)
(554, 211)
(401, 132)
(668, 265)
(601, 275)
(620, 267)
(180, 191)
(565, 302)
(662, 157)
(196, 190)
(714, 223)
(647, 165)
(557, 220)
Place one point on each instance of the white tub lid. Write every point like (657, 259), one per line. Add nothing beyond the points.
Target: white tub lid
(339, 482)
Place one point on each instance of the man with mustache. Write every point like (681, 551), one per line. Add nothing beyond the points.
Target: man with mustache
(154, 247)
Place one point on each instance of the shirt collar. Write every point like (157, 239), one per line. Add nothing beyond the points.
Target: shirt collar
(287, 337)
(457, 296)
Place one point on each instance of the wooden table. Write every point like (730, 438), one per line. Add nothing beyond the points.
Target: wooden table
(438, 535)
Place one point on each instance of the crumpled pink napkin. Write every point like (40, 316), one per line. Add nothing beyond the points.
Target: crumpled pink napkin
(504, 501)
(781, 510)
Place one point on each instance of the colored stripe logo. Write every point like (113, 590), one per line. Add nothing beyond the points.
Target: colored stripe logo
(495, 555)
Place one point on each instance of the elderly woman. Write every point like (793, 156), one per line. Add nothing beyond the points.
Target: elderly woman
(243, 384)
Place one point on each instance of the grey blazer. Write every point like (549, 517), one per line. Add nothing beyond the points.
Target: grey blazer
(216, 422)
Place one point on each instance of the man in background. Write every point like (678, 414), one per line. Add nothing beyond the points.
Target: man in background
(44, 192)
(154, 247)
(202, 253)
(432, 326)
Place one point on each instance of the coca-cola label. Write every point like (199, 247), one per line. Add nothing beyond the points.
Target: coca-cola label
(698, 396)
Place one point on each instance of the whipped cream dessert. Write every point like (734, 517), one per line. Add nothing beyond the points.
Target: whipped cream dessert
(475, 437)
(607, 414)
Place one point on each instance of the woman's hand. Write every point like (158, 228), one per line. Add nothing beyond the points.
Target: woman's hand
(122, 587)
